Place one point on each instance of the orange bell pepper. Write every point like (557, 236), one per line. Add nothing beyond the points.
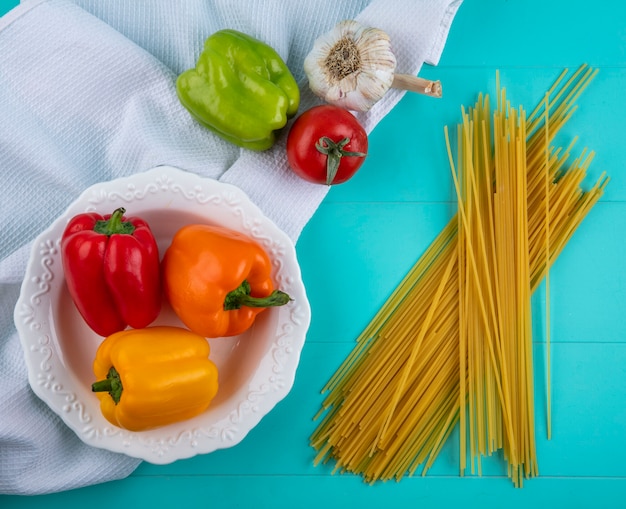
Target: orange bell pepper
(218, 280)
(155, 376)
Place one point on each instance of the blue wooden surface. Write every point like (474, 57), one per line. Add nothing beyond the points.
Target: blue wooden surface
(367, 234)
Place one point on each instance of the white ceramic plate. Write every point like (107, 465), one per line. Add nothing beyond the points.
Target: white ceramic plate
(256, 369)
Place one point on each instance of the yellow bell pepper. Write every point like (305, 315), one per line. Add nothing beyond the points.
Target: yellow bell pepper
(154, 376)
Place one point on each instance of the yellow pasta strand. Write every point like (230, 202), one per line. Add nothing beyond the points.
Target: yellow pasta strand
(547, 276)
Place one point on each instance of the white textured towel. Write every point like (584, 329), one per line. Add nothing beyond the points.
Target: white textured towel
(87, 95)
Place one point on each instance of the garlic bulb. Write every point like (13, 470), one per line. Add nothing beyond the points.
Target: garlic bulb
(353, 66)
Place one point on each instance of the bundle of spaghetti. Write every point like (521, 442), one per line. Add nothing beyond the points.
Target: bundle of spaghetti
(517, 210)
(494, 298)
(452, 344)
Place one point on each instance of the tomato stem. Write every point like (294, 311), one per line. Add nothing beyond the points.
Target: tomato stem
(334, 151)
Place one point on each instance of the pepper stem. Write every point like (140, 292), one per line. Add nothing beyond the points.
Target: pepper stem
(334, 152)
(114, 224)
(111, 384)
(240, 296)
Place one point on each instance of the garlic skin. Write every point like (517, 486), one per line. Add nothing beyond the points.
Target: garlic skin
(352, 66)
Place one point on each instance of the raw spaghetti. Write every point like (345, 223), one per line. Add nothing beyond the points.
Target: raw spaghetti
(452, 345)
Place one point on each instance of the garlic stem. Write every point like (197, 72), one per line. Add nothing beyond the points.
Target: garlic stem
(417, 84)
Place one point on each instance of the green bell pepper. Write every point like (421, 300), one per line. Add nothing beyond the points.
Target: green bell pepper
(241, 89)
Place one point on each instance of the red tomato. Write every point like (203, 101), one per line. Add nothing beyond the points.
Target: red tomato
(326, 145)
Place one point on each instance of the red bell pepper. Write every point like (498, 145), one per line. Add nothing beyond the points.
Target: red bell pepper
(112, 272)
